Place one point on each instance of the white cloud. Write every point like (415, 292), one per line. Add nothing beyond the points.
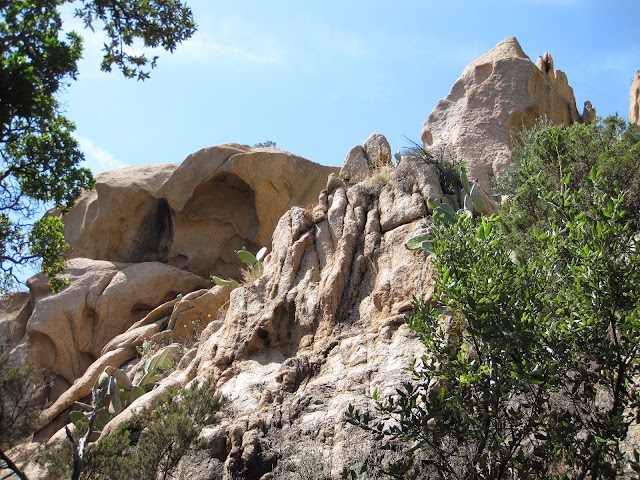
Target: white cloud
(205, 48)
(96, 158)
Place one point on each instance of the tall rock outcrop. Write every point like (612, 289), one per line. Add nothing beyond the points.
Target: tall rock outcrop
(192, 215)
(145, 236)
(321, 329)
(496, 95)
(634, 102)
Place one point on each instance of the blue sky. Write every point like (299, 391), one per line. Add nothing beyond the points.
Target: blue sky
(318, 77)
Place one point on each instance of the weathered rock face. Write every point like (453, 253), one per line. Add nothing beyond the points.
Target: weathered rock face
(122, 219)
(15, 310)
(634, 101)
(319, 330)
(497, 95)
(364, 160)
(195, 214)
(65, 332)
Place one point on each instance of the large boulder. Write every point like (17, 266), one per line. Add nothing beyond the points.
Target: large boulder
(226, 197)
(364, 161)
(67, 331)
(15, 310)
(498, 94)
(122, 219)
(195, 214)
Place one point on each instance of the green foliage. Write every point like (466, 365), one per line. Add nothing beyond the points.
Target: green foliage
(171, 429)
(448, 169)
(472, 205)
(17, 394)
(46, 241)
(532, 360)
(113, 392)
(225, 283)
(550, 153)
(267, 144)
(18, 411)
(39, 155)
(254, 269)
(154, 23)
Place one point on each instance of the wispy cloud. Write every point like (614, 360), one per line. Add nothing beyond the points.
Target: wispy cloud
(208, 48)
(96, 158)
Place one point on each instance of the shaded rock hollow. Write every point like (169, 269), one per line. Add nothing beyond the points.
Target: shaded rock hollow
(192, 215)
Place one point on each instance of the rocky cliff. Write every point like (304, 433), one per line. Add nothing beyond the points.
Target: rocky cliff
(321, 328)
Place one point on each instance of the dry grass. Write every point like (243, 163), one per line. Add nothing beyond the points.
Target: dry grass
(251, 274)
(381, 177)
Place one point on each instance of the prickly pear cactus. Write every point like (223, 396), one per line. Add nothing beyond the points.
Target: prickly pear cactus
(444, 213)
(114, 391)
(253, 263)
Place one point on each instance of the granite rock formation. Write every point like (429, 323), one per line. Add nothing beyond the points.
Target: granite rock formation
(634, 102)
(192, 215)
(496, 95)
(322, 327)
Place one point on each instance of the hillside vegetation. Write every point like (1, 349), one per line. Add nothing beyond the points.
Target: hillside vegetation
(534, 329)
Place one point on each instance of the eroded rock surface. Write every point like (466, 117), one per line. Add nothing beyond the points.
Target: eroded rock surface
(67, 331)
(496, 95)
(634, 102)
(362, 161)
(122, 219)
(192, 215)
(319, 330)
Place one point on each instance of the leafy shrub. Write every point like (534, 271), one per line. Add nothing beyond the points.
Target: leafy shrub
(267, 144)
(18, 408)
(447, 166)
(547, 154)
(150, 447)
(532, 359)
(154, 452)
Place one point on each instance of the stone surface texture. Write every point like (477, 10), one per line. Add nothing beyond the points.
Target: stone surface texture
(634, 101)
(192, 215)
(363, 161)
(497, 95)
(319, 330)
(67, 331)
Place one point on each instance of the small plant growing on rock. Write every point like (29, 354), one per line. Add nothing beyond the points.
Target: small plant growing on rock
(448, 169)
(252, 272)
(443, 212)
(171, 429)
(18, 410)
(147, 448)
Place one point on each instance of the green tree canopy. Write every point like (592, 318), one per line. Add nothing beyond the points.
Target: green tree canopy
(40, 157)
